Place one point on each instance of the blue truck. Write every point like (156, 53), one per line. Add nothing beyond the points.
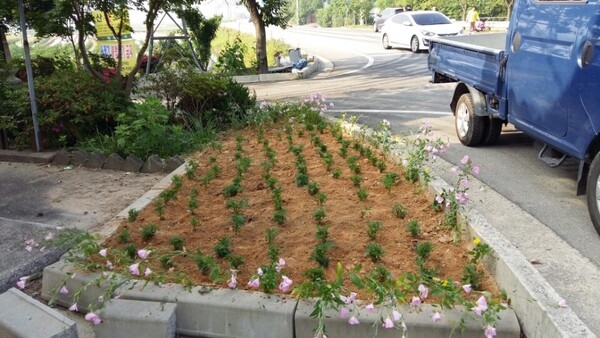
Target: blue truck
(542, 76)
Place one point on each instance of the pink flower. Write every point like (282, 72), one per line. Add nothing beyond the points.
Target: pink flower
(134, 269)
(92, 317)
(467, 288)
(143, 253)
(462, 198)
(233, 282)
(28, 248)
(147, 272)
(285, 284)
(49, 236)
(280, 265)
(423, 290)
(353, 321)
(254, 283)
(350, 299)
(64, 290)
(416, 301)
(439, 199)
(396, 316)
(259, 271)
(436, 317)
(388, 323)
(102, 252)
(109, 265)
(370, 307)
(73, 308)
(562, 303)
(465, 159)
(476, 170)
(481, 306)
(464, 183)
(21, 283)
(344, 312)
(490, 331)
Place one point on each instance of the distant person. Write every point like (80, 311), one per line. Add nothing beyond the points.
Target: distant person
(472, 18)
(407, 8)
(434, 9)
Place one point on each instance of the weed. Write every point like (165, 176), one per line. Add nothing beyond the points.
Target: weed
(124, 236)
(374, 251)
(223, 247)
(132, 215)
(413, 228)
(399, 210)
(177, 243)
(149, 231)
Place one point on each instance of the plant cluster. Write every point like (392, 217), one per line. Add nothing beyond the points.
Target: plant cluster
(418, 151)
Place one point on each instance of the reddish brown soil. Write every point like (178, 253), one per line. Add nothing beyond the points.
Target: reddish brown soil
(347, 217)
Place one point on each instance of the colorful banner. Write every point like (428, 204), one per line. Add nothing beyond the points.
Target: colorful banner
(109, 44)
(128, 52)
(103, 32)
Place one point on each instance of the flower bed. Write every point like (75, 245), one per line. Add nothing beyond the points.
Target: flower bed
(291, 204)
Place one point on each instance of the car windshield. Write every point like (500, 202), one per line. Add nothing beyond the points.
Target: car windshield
(425, 19)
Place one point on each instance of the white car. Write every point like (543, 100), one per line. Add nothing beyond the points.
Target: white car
(413, 29)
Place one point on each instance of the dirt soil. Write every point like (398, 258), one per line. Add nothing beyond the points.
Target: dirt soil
(346, 216)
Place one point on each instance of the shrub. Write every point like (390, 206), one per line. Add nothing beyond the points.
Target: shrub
(209, 99)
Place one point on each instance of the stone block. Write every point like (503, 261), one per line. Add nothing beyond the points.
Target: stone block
(173, 163)
(132, 164)
(23, 316)
(113, 162)
(80, 157)
(418, 321)
(62, 157)
(153, 164)
(96, 160)
(132, 318)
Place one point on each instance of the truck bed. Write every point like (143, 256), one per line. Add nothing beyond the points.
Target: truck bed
(472, 59)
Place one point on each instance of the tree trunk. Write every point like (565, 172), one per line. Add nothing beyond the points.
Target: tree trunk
(259, 30)
(5, 51)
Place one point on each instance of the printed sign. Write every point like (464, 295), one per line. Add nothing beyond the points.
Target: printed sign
(108, 42)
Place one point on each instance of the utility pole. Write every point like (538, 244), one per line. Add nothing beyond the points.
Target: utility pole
(28, 68)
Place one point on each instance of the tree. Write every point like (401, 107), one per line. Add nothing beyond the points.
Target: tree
(263, 14)
(203, 31)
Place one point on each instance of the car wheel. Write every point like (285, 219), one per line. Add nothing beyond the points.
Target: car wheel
(469, 127)
(493, 129)
(414, 44)
(375, 29)
(593, 192)
(385, 41)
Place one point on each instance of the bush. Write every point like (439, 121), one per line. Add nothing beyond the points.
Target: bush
(201, 97)
(72, 106)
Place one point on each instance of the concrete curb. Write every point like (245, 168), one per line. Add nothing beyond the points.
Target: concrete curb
(23, 316)
(206, 312)
(302, 74)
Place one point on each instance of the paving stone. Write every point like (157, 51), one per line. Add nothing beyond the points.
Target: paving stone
(80, 157)
(23, 316)
(113, 162)
(62, 157)
(173, 163)
(132, 164)
(132, 318)
(96, 160)
(153, 164)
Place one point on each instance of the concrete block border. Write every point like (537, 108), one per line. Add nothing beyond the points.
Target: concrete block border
(209, 312)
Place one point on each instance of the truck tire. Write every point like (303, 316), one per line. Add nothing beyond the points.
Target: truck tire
(593, 192)
(414, 44)
(469, 127)
(493, 129)
(385, 41)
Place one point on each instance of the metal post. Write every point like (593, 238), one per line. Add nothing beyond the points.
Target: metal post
(28, 68)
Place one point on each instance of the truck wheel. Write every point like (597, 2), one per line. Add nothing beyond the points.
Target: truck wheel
(385, 41)
(593, 192)
(469, 127)
(493, 129)
(414, 44)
